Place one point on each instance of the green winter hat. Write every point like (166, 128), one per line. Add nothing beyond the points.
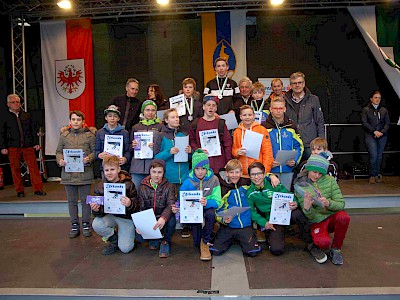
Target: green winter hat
(317, 163)
(147, 103)
(200, 159)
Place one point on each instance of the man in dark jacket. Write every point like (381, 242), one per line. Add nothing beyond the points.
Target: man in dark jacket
(128, 104)
(304, 109)
(18, 138)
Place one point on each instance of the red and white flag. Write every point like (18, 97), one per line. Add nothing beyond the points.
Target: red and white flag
(67, 66)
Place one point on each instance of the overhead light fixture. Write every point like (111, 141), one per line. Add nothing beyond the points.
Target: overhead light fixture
(163, 2)
(64, 4)
(20, 22)
(276, 2)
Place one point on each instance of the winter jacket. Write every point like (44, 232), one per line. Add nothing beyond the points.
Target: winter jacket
(309, 120)
(216, 162)
(284, 136)
(209, 185)
(101, 136)
(9, 131)
(260, 201)
(375, 119)
(160, 199)
(142, 166)
(329, 189)
(130, 193)
(176, 172)
(265, 157)
(235, 196)
(226, 103)
(226, 186)
(84, 139)
(134, 109)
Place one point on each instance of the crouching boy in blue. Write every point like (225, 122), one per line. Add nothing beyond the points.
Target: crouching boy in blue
(239, 227)
(158, 194)
(104, 224)
(201, 177)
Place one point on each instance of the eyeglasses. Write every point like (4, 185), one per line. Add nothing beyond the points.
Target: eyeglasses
(297, 83)
(257, 174)
(13, 102)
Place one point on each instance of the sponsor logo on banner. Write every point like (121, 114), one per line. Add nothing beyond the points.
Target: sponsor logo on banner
(70, 78)
(224, 50)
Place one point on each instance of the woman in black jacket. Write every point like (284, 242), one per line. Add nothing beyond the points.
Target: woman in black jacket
(375, 121)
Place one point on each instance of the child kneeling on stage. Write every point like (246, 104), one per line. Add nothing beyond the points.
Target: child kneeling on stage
(239, 227)
(329, 216)
(157, 193)
(104, 224)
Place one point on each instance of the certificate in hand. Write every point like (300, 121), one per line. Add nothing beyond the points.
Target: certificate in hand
(230, 121)
(95, 199)
(280, 211)
(181, 142)
(282, 156)
(144, 222)
(142, 150)
(191, 211)
(114, 144)
(112, 198)
(74, 160)
(209, 140)
(178, 102)
(232, 211)
(252, 142)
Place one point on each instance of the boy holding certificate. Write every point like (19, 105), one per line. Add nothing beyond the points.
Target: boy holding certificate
(106, 146)
(140, 168)
(104, 223)
(158, 194)
(260, 195)
(325, 209)
(236, 226)
(238, 151)
(202, 178)
(77, 184)
(207, 131)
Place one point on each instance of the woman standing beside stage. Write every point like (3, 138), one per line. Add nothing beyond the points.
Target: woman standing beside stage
(375, 121)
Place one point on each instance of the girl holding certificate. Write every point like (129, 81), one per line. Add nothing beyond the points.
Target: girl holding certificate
(77, 184)
(259, 196)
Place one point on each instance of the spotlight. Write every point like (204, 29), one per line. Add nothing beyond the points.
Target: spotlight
(163, 2)
(64, 4)
(276, 2)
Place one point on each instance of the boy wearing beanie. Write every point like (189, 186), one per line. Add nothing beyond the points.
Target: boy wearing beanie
(326, 216)
(202, 177)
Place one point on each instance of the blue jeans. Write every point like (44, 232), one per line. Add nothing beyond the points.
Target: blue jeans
(375, 147)
(168, 230)
(199, 232)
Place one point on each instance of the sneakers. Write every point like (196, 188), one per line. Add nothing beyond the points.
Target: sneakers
(112, 245)
(379, 178)
(154, 244)
(372, 180)
(337, 257)
(185, 231)
(40, 193)
(74, 232)
(20, 194)
(87, 232)
(260, 236)
(164, 249)
(205, 253)
(317, 253)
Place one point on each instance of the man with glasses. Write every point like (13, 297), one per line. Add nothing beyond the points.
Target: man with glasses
(18, 138)
(304, 109)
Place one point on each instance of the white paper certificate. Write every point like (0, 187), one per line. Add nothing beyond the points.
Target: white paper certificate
(209, 140)
(178, 102)
(233, 211)
(280, 211)
(181, 142)
(191, 211)
(112, 198)
(252, 142)
(74, 160)
(282, 156)
(114, 144)
(142, 150)
(144, 222)
(230, 121)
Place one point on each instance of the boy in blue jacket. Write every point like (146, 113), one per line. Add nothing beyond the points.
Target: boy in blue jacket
(202, 177)
(238, 227)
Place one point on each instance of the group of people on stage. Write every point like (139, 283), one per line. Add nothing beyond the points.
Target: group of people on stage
(227, 178)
